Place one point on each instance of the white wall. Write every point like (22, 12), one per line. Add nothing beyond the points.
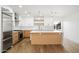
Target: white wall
(26, 21)
(48, 21)
(0, 30)
(71, 27)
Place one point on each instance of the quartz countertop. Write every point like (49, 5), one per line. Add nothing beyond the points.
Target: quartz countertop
(46, 32)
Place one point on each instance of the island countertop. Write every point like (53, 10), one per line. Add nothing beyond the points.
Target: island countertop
(46, 32)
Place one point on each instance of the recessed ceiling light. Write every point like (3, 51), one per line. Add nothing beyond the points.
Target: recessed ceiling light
(20, 6)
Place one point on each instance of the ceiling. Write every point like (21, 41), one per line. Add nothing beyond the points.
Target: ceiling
(45, 10)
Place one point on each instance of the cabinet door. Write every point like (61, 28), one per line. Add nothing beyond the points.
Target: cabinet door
(50, 38)
(26, 33)
(59, 37)
(15, 37)
(35, 38)
(55, 38)
(44, 38)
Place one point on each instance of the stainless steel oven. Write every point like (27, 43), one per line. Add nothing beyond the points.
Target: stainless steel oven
(7, 40)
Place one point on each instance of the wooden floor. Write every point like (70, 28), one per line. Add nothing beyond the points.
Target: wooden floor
(71, 46)
(25, 47)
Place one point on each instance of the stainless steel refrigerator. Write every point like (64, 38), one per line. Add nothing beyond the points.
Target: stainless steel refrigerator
(7, 29)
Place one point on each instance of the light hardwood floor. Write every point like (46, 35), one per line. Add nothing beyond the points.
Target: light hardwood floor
(71, 46)
(25, 47)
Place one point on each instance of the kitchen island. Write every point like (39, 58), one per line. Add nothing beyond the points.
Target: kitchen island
(46, 37)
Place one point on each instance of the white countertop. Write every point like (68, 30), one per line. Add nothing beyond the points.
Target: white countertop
(45, 31)
(22, 28)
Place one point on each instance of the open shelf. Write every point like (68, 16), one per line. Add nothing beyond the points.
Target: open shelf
(39, 20)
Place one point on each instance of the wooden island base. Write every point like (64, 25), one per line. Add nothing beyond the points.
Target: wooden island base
(45, 38)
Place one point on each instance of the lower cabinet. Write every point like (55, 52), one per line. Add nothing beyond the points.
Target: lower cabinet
(35, 38)
(26, 33)
(15, 37)
(46, 38)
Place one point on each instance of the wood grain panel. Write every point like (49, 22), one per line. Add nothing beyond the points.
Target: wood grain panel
(35, 38)
(15, 37)
(26, 33)
(46, 38)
